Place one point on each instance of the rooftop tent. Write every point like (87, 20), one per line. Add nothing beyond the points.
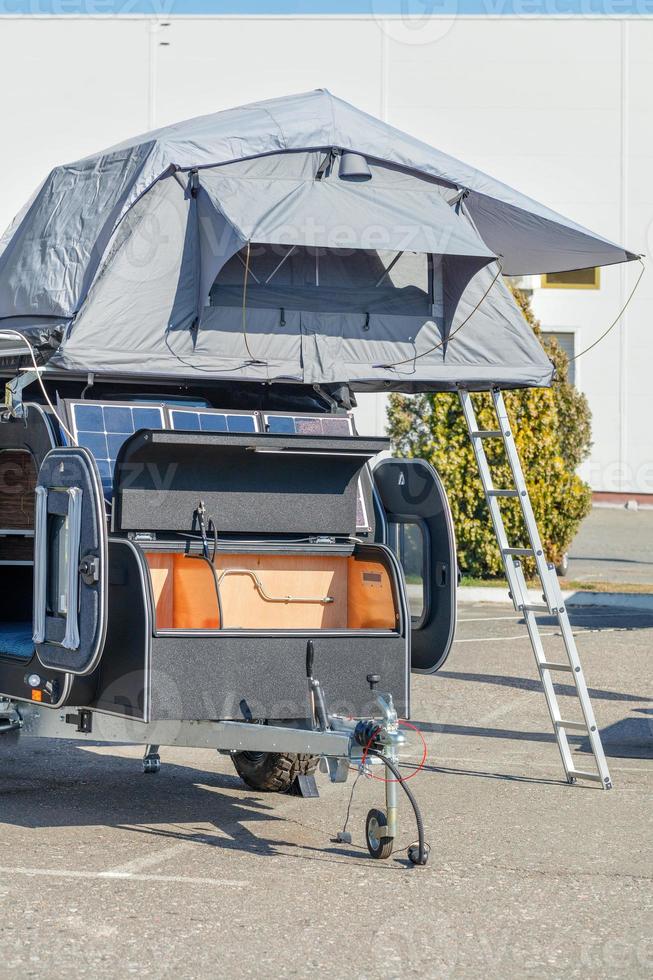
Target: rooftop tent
(338, 277)
(137, 254)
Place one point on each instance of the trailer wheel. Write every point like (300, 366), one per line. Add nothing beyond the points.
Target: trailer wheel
(9, 731)
(272, 772)
(378, 843)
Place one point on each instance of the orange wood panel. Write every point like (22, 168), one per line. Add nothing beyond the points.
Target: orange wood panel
(161, 573)
(195, 599)
(185, 598)
(371, 600)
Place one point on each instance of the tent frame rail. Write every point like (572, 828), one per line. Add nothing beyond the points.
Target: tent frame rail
(553, 605)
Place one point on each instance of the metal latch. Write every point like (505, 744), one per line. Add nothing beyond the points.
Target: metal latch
(83, 720)
(142, 536)
(89, 569)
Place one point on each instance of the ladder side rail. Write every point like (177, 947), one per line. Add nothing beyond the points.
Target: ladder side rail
(550, 586)
(488, 486)
(524, 498)
(580, 682)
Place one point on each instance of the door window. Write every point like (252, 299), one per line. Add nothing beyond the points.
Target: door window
(409, 542)
(58, 566)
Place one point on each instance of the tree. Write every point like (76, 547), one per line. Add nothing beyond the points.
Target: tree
(552, 428)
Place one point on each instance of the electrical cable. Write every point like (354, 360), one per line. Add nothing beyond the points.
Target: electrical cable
(421, 857)
(253, 359)
(617, 318)
(351, 800)
(24, 340)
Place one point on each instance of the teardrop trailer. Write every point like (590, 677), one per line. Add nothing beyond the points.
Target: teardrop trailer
(197, 549)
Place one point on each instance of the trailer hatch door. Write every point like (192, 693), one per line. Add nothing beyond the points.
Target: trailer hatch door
(418, 527)
(70, 562)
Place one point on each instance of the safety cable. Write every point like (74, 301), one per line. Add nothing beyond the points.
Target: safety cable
(21, 337)
(618, 316)
(445, 340)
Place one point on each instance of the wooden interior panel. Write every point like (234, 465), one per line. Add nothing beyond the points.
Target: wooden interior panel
(184, 592)
(300, 576)
(371, 599)
(161, 573)
(18, 478)
(195, 602)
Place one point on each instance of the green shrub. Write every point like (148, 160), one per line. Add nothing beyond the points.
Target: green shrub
(552, 429)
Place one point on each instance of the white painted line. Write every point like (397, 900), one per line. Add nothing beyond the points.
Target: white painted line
(117, 876)
(631, 601)
(509, 707)
(148, 861)
(500, 639)
(491, 619)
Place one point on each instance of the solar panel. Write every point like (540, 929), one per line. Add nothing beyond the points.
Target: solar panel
(103, 428)
(320, 425)
(310, 425)
(211, 420)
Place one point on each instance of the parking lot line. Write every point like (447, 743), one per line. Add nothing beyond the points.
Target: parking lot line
(124, 876)
(489, 619)
(148, 861)
(499, 639)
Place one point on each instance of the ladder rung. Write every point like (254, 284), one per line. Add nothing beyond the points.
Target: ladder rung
(573, 726)
(535, 608)
(580, 774)
(518, 551)
(547, 665)
(503, 493)
(486, 433)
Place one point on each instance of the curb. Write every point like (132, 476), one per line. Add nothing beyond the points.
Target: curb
(640, 601)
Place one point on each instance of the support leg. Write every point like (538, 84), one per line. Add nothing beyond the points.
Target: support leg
(151, 759)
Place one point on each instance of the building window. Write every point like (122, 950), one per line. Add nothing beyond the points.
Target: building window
(567, 341)
(579, 279)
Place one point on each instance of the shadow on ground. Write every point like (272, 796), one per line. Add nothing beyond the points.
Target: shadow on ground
(50, 786)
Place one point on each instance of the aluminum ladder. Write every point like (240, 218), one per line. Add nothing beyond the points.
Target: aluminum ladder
(553, 601)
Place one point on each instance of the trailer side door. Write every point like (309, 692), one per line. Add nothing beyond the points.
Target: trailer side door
(70, 562)
(417, 525)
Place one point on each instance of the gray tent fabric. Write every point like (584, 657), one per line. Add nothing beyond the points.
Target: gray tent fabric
(123, 250)
(269, 202)
(316, 335)
(148, 282)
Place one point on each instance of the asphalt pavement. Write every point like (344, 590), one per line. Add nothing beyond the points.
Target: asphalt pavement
(614, 545)
(107, 872)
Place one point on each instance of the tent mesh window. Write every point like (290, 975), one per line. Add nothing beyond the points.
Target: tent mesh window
(325, 280)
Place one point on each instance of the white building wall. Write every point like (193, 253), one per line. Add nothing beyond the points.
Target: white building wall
(558, 106)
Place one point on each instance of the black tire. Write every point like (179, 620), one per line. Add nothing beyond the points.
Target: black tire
(9, 735)
(272, 772)
(378, 844)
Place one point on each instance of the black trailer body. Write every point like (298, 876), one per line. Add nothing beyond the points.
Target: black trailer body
(186, 583)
